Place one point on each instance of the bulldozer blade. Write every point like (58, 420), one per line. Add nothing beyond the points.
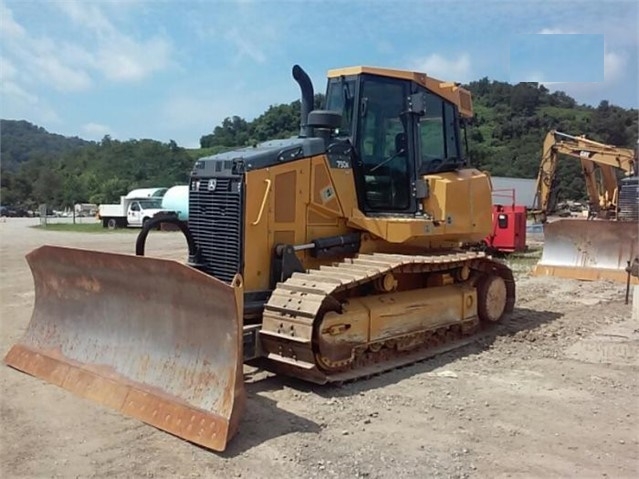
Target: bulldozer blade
(589, 250)
(152, 338)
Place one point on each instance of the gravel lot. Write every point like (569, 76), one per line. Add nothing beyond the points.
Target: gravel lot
(552, 393)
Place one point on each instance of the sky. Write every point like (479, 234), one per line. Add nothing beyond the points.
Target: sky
(175, 69)
(574, 57)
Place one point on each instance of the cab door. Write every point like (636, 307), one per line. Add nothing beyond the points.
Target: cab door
(134, 215)
(385, 171)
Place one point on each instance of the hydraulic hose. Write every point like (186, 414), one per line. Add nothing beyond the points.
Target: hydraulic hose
(154, 223)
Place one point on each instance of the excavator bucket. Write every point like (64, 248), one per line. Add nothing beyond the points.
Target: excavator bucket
(588, 250)
(152, 338)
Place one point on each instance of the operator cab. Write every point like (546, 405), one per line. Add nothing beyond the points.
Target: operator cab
(401, 131)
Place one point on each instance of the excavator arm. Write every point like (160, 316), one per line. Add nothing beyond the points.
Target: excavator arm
(607, 159)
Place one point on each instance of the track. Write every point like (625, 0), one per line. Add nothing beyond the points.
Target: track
(308, 332)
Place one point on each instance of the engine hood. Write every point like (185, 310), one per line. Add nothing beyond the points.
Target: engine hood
(262, 155)
(154, 211)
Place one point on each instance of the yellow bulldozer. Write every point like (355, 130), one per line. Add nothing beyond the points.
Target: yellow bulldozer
(329, 256)
(606, 242)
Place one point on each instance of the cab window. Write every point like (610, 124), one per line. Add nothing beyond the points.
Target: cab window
(340, 97)
(452, 146)
(431, 134)
(438, 136)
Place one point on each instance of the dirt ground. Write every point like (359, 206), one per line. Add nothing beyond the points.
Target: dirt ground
(553, 392)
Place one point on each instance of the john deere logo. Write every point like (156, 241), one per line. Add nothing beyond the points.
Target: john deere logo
(212, 184)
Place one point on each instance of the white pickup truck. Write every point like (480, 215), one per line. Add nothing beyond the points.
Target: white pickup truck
(134, 209)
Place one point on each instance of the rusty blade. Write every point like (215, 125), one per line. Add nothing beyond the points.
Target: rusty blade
(153, 338)
(588, 250)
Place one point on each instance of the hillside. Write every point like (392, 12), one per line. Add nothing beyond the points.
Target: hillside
(510, 123)
(41, 167)
(21, 141)
(505, 137)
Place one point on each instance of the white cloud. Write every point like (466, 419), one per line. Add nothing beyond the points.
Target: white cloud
(245, 47)
(127, 60)
(614, 64)
(7, 69)
(556, 31)
(445, 68)
(90, 46)
(104, 50)
(118, 56)
(10, 28)
(87, 15)
(40, 59)
(9, 88)
(65, 78)
(536, 76)
(16, 103)
(96, 130)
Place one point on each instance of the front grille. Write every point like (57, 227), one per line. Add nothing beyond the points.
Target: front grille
(215, 221)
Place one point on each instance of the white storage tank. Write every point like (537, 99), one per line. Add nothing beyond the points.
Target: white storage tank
(146, 193)
(176, 199)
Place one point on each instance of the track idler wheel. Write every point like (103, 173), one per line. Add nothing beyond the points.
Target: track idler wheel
(491, 298)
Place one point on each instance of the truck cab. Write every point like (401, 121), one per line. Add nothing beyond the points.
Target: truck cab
(134, 209)
(143, 210)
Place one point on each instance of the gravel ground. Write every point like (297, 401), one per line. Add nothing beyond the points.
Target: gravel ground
(550, 393)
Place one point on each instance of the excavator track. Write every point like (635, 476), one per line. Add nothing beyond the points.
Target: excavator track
(332, 324)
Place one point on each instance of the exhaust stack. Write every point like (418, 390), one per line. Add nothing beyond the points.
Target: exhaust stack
(307, 100)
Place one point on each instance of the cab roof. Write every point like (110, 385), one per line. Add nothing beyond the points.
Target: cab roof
(448, 90)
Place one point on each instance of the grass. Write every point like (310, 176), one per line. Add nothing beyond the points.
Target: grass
(83, 228)
(526, 261)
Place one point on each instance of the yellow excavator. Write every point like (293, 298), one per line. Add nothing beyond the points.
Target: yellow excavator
(601, 245)
(329, 256)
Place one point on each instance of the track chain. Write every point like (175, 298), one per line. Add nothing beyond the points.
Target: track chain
(297, 303)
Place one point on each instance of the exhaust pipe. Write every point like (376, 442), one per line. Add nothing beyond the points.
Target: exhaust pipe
(307, 100)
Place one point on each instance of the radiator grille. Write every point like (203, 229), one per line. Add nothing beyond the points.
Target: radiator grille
(629, 200)
(215, 221)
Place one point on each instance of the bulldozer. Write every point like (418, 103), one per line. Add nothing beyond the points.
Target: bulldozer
(329, 257)
(601, 245)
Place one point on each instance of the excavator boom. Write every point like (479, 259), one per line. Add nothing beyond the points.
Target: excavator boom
(593, 156)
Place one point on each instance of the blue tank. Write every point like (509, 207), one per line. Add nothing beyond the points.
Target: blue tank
(176, 199)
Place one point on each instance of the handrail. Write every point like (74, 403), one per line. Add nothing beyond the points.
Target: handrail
(259, 215)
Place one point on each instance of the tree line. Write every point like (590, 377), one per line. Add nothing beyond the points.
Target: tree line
(511, 121)
(505, 137)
